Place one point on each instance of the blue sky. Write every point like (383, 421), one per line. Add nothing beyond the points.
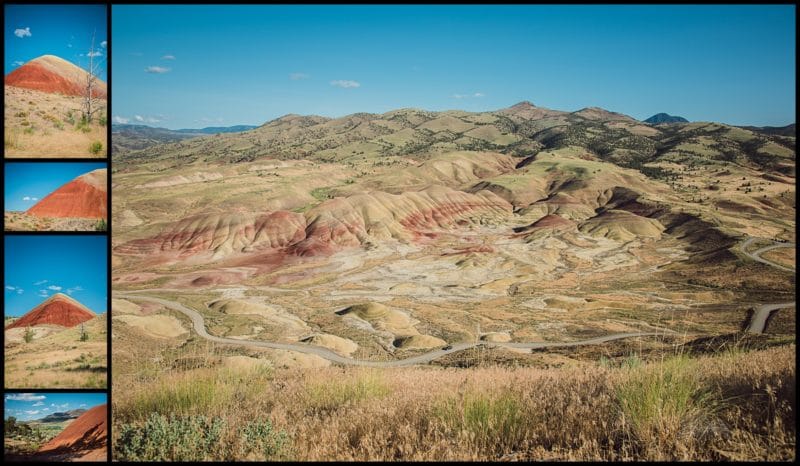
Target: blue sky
(62, 30)
(38, 266)
(28, 183)
(28, 406)
(186, 66)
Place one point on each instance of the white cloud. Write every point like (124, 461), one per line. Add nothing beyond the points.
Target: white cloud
(466, 96)
(23, 32)
(38, 403)
(148, 119)
(168, 57)
(32, 412)
(345, 83)
(40, 282)
(25, 397)
(121, 120)
(104, 44)
(45, 409)
(34, 198)
(54, 288)
(83, 405)
(94, 54)
(43, 293)
(12, 288)
(156, 69)
(63, 406)
(298, 76)
(26, 198)
(18, 63)
(74, 289)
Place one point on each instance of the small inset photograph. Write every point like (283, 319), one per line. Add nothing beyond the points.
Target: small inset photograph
(55, 311)
(61, 426)
(56, 196)
(55, 81)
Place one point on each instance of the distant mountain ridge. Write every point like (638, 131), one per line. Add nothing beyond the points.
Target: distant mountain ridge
(659, 118)
(62, 416)
(127, 137)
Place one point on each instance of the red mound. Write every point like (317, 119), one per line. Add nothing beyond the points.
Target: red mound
(83, 197)
(86, 436)
(52, 74)
(58, 309)
(552, 221)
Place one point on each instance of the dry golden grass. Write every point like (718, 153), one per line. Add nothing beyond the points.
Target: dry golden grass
(731, 406)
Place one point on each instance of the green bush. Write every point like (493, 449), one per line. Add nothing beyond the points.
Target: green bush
(100, 225)
(198, 438)
(28, 335)
(96, 147)
(192, 438)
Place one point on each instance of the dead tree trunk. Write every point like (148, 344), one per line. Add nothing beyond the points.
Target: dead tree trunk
(89, 100)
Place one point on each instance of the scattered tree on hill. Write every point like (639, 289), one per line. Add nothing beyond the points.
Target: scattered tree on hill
(28, 335)
(84, 333)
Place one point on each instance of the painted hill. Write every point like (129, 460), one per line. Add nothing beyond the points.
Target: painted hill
(86, 436)
(83, 197)
(659, 118)
(58, 309)
(52, 74)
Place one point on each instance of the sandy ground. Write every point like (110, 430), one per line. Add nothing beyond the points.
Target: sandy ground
(39, 124)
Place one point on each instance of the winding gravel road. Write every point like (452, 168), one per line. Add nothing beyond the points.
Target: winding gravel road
(199, 327)
(758, 322)
(756, 325)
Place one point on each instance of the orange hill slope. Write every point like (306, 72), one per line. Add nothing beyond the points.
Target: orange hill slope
(86, 436)
(58, 309)
(52, 74)
(83, 197)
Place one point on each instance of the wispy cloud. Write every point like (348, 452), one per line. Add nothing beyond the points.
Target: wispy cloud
(104, 44)
(298, 76)
(18, 63)
(54, 288)
(30, 198)
(168, 57)
(74, 289)
(25, 397)
(41, 282)
(12, 288)
(121, 120)
(467, 96)
(38, 403)
(94, 54)
(23, 32)
(345, 83)
(43, 294)
(148, 119)
(32, 412)
(156, 69)
(15, 289)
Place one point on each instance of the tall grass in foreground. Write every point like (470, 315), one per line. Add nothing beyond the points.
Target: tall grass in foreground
(733, 406)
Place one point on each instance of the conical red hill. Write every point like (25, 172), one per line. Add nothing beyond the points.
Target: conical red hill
(49, 73)
(88, 435)
(83, 197)
(58, 309)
